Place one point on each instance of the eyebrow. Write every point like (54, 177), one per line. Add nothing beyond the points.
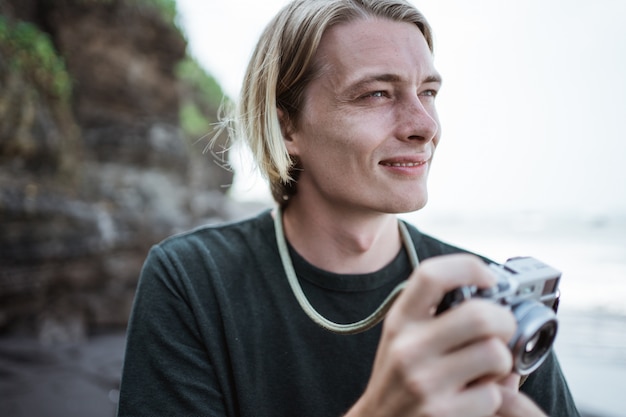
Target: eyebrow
(390, 78)
(435, 78)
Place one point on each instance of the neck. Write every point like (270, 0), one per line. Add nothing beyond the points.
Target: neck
(342, 242)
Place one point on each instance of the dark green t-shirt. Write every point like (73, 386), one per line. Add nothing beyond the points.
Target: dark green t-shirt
(216, 331)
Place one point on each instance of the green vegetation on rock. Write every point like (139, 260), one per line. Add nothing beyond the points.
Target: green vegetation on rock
(167, 8)
(30, 52)
(205, 98)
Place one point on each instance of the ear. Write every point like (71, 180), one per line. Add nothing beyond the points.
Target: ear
(286, 128)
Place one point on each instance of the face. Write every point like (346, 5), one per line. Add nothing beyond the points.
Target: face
(368, 129)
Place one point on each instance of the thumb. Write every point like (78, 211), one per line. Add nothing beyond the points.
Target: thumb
(516, 404)
(436, 276)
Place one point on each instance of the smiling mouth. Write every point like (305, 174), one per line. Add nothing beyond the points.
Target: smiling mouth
(403, 164)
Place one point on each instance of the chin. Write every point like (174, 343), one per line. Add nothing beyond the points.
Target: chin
(407, 206)
(415, 207)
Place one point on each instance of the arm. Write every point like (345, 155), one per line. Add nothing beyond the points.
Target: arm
(167, 370)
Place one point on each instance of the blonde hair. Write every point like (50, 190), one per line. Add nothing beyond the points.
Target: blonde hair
(282, 66)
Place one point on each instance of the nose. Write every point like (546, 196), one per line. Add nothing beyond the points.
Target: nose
(417, 119)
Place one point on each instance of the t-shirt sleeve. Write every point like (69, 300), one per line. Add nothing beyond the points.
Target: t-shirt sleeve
(167, 370)
(548, 388)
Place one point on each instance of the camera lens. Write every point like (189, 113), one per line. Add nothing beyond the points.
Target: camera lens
(532, 343)
(539, 345)
(536, 331)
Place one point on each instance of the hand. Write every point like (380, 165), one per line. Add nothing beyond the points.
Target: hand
(516, 404)
(446, 365)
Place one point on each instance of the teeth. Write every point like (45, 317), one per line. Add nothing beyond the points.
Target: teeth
(402, 164)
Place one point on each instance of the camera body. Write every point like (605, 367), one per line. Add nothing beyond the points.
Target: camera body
(530, 289)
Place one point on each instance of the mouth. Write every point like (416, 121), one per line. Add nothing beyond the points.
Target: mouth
(406, 161)
(402, 164)
(413, 166)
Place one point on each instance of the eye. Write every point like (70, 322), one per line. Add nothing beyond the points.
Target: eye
(376, 94)
(429, 93)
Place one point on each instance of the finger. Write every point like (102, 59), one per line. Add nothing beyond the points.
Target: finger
(474, 320)
(473, 338)
(486, 361)
(478, 401)
(516, 404)
(511, 382)
(436, 276)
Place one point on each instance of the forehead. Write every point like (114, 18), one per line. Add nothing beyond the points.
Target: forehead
(350, 50)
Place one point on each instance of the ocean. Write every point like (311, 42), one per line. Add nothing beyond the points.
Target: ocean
(590, 251)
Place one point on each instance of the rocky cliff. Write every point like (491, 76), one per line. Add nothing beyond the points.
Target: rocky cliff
(100, 112)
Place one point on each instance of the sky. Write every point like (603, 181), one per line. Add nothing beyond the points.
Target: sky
(533, 104)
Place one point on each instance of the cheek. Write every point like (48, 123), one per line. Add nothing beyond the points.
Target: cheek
(331, 136)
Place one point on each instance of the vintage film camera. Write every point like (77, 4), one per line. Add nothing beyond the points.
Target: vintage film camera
(530, 289)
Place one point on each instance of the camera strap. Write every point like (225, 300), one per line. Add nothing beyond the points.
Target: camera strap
(349, 328)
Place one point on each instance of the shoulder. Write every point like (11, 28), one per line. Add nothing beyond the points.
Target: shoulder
(210, 259)
(227, 235)
(212, 246)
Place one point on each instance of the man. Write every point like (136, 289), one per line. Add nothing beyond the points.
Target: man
(272, 316)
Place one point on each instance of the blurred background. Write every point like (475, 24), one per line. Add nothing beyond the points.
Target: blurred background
(104, 110)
